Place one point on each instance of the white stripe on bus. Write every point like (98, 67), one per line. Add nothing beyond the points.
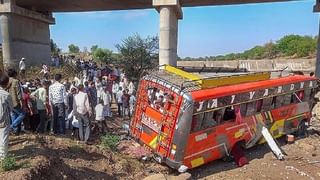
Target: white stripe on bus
(208, 149)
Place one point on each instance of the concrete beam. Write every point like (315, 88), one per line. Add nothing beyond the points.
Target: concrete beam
(173, 3)
(104, 5)
(11, 8)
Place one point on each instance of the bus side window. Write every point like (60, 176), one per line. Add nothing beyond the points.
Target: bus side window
(287, 99)
(307, 95)
(212, 118)
(259, 105)
(209, 120)
(229, 114)
(266, 105)
(279, 101)
(244, 109)
(251, 108)
(301, 95)
(196, 122)
(218, 115)
(274, 101)
(297, 97)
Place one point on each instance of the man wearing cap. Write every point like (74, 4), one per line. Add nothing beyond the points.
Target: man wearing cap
(22, 67)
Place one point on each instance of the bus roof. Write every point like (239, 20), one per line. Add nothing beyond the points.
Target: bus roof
(246, 87)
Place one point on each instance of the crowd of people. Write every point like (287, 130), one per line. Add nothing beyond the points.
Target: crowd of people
(52, 103)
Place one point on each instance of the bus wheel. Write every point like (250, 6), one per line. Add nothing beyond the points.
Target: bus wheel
(302, 129)
(228, 158)
(238, 155)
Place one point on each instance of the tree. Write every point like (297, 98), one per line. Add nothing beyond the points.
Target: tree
(103, 55)
(55, 50)
(138, 54)
(94, 48)
(271, 50)
(73, 49)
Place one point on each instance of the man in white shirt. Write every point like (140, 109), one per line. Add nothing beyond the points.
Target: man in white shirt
(6, 108)
(131, 88)
(22, 67)
(115, 89)
(45, 71)
(58, 101)
(106, 98)
(82, 111)
(132, 102)
(119, 100)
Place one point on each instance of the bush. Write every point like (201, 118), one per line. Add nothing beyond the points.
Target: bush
(110, 141)
(9, 163)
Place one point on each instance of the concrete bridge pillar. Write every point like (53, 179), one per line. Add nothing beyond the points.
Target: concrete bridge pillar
(317, 73)
(25, 33)
(169, 11)
(5, 20)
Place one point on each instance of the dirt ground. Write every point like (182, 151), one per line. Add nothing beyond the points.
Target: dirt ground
(56, 157)
(62, 157)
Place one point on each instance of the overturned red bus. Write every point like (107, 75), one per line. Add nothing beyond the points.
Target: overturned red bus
(188, 120)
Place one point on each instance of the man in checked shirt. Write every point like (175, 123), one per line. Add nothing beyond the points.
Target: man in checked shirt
(58, 101)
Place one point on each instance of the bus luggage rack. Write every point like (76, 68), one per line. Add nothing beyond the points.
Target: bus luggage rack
(216, 80)
(175, 81)
(187, 82)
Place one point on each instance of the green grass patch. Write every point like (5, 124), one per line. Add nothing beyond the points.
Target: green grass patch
(9, 163)
(110, 141)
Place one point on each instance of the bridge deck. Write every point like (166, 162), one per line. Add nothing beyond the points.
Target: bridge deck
(99, 5)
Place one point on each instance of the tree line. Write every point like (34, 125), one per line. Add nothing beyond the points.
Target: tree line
(136, 54)
(292, 46)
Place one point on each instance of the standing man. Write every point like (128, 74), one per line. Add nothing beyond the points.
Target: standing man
(93, 95)
(6, 108)
(119, 101)
(115, 89)
(45, 71)
(14, 88)
(82, 111)
(22, 67)
(125, 103)
(40, 96)
(57, 99)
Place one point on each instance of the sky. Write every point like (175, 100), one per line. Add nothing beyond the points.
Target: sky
(204, 31)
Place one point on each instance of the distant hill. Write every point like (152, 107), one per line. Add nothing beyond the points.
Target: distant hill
(290, 46)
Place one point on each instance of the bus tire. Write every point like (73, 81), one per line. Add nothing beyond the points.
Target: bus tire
(230, 158)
